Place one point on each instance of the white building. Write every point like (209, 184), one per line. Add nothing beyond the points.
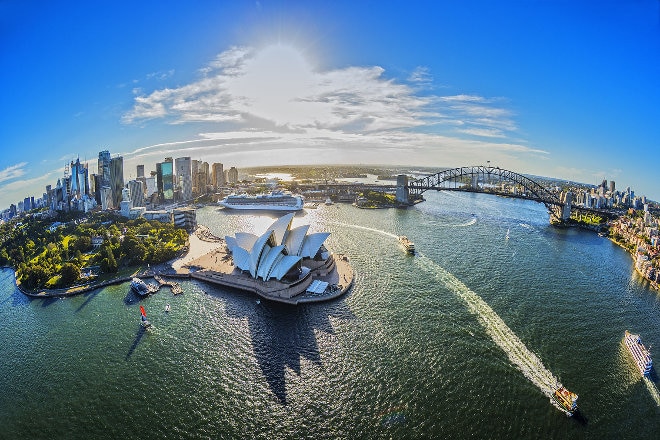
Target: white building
(278, 251)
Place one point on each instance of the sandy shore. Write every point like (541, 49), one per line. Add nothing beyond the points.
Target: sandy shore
(197, 248)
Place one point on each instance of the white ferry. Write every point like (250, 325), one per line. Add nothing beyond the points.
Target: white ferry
(275, 201)
(408, 245)
(641, 355)
(140, 287)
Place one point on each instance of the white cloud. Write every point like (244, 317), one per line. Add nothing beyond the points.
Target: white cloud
(12, 172)
(272, 100)
(421, 75)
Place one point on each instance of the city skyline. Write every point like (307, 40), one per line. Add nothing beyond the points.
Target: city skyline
(550, 88)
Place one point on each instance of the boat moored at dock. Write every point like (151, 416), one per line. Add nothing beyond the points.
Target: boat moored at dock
(566, 399)
(140, 287)
(408, 245)
(640, 354)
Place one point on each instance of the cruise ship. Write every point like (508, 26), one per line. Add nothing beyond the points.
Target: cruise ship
(566, 399)
(408, 245)
(275, 201)
(641, 355)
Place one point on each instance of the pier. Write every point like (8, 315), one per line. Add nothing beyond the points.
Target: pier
(173, 285)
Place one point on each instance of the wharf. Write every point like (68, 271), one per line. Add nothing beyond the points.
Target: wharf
(173, 285)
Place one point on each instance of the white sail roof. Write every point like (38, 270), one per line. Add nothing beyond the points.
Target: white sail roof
(246, 240)
(268, 261)
(231, 243)
(281, 227)
(295, 239)
(273, 254)
(241, 258)
(284, 266)
(313, 243)
(268, 239)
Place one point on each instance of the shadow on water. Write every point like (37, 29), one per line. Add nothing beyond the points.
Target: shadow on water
(132, 298)
(138, 337)
(89, 296)
(580, 418)
(17, 298)
(46, 302)
(282, 335)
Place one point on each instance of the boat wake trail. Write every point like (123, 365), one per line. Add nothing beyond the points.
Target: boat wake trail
(653, 390)
(365, 228)
(519, 355)
(472, 221)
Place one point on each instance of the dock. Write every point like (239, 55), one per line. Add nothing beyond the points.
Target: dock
(173, 285)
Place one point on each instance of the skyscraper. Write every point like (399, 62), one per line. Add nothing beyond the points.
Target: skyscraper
(165, 180)
(140, 171)
(104, 167)
(136, 191)
(184, 176)
(79, 179)
(116, 179)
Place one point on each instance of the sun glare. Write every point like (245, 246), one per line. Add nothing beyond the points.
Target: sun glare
(275, 80)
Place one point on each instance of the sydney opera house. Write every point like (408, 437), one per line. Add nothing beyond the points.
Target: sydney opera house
(278, 253)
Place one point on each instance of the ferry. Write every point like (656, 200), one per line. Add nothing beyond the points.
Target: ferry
(408, 245)
(275, 201)
(566, 399)
(139, 287)
(641, 355)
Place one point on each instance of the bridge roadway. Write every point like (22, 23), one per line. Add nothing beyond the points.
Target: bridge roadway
(410, 192)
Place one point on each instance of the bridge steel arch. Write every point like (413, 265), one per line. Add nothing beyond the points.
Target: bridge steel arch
(534, 190)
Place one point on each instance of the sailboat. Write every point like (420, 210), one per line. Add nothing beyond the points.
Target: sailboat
(507, 234)
(143, 319)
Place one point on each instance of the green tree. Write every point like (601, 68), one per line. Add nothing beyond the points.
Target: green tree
(108, 263)
(34, 277)
(69, 274)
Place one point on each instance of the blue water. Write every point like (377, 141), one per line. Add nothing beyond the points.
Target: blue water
(459, 341)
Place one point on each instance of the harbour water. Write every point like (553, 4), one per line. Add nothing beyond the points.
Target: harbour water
(463, 340)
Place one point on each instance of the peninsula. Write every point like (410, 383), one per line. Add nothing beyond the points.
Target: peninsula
(283, 264)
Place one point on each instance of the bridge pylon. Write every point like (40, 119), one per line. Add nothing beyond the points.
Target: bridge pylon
(402, 191)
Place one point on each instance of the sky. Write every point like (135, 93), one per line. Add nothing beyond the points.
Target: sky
(567, 89)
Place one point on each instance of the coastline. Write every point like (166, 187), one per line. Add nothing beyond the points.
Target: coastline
(653, 283)
(206, 260)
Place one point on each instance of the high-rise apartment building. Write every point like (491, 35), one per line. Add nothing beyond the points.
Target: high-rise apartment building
(232, 175)
(217, 175)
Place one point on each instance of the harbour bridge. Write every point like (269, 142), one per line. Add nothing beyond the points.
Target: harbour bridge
(488, 179)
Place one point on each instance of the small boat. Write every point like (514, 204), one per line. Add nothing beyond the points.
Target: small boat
(507, 234)
(139, 287)
(143, 318)
(167, 308)
(641, 355)
(566, 399)
(258, 301)
(408, 245)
